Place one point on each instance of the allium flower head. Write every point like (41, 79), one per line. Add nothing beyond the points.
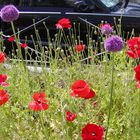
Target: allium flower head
(9, 13)
(113, 44)
(106, 29)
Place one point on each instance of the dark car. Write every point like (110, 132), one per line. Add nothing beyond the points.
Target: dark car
(93, 11)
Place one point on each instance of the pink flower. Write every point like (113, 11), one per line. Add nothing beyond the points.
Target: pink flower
(106, 29)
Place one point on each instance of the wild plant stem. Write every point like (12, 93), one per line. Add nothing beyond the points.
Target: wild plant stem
(111, 97)
(30, 26)
(42, 124)
(19, 48)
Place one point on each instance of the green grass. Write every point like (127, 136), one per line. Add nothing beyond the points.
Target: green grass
(18, 122)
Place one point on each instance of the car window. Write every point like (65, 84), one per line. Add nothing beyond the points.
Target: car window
(135, 1)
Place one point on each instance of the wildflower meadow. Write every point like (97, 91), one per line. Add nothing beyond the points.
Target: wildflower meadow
(88, 90)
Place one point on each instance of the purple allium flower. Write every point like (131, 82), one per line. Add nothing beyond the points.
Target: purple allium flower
(113, 44)
(9, 13)
(106, 29)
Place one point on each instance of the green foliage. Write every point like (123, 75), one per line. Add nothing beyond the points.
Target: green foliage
(17, 121)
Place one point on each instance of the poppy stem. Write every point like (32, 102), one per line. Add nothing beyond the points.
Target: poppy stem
(16, 40)
(111, 96)
(41, 116)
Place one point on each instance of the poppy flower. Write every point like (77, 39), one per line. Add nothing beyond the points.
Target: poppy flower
(106, 29)
(80, 47)
(4, 97)
(134, 47)
(63, 23)
(39, 103)
(3, 78)
(134, 53)
(92, 132)
(70, 116)
(23, 45)
(133, 43)
(137, 72)
(11, 39)
(2, 57)
(91, 94)
(81, 88)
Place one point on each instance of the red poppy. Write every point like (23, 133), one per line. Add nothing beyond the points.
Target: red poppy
(23, 45)
(134, 46)
(137, 72)
(80, 47)
(11, 39)
(63, 23)
(132, 43)
(133, 53)
(4, 97)
(2, 57)
(39, 103)
(70, 116)
(92, 132)
(91, 94)
(81, 88)
(3, 78)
